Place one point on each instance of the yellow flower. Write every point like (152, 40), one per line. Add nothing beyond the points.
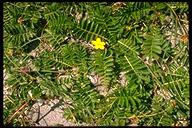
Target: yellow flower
(98, 44)
(128, 28)
(9, 52)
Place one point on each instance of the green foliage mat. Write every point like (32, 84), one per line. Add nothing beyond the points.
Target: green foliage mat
(141, 77)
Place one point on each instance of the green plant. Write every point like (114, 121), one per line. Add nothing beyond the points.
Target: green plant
(140, 77)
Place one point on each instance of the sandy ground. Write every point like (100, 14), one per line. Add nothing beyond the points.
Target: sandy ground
(48, 113)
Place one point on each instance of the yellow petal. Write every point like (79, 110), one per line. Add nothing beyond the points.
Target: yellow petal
(102, 43)
(102, 47)
(96, 46)
(93, 42)
(98, 40)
